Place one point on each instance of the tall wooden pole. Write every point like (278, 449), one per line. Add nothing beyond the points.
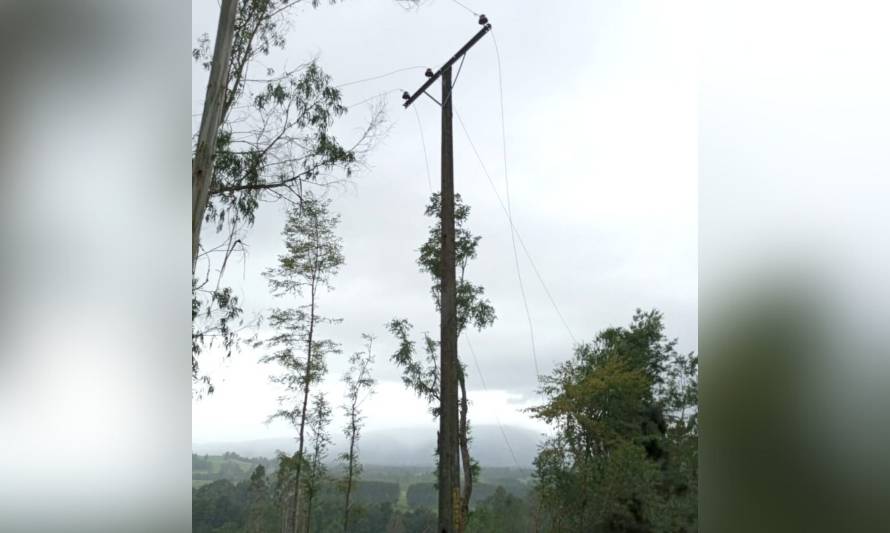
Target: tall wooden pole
(202, 163)
(449, 468)
(449, 432)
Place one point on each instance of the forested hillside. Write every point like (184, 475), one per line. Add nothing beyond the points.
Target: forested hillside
(228, 491)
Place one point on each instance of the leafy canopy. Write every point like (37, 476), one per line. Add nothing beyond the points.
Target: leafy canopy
(624, 454)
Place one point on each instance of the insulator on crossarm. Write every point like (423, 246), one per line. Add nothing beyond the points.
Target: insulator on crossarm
(483, 20)
(429, 73)
(405, 95)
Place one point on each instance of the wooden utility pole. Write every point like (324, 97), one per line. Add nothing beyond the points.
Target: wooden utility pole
(449, 476)
(202, 163)
(449, 457)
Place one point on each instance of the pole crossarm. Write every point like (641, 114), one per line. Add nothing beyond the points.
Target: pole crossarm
(486, 27)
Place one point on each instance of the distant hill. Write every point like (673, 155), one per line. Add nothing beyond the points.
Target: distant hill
(403, 447)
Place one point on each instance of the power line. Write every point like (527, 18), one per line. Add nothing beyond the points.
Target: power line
(531, 329)
(513, 228)
(351, 83)
(429, 180)
(368, 99)
(485, 388)
(465, 7)
(512, 231)
(507, 210)
(377, 77)
(454, 83)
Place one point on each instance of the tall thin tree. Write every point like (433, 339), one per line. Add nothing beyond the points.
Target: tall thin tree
(359, 384)
(313, 255)
(320, 440)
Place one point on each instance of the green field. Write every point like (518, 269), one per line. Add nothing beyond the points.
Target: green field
(209, 468)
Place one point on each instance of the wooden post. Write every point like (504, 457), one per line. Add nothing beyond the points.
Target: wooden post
(449, 433)
(449, 477)
(202, 163)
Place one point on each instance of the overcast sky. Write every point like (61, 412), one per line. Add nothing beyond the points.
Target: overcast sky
(600, 100)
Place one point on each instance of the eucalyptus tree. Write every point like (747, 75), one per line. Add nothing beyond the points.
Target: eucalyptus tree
(313, 256)
(273, 139)
(358, 383)
(421, 373)
(320, 439)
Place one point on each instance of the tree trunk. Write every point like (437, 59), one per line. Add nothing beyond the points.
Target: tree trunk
(351, 470)
(307, 379)
(309, 514)
(465, 456)
(211, 118)
(285, 511)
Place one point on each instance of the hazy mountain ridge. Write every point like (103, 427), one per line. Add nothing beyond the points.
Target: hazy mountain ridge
(403, 447)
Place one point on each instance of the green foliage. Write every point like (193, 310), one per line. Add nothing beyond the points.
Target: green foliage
(255, 503)
(625, 451)
(285, 476)
(258, 500)
(313, 255)
(472, 307)
(217, 505)
(419, 519)
(358, 381)
(282, 138)
(275, 138)
(200, 462)
(314, 252)
(420, 375)
(422, 495)
(320, 441)
(216, 320)
(501, 512)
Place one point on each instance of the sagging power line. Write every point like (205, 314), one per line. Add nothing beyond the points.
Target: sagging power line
(485, 388)
(514, 229)
(506, 208)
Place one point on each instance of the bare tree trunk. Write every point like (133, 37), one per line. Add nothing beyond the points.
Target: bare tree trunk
(202, 163)
(351, 468)
(307, 379)
(465, 456)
